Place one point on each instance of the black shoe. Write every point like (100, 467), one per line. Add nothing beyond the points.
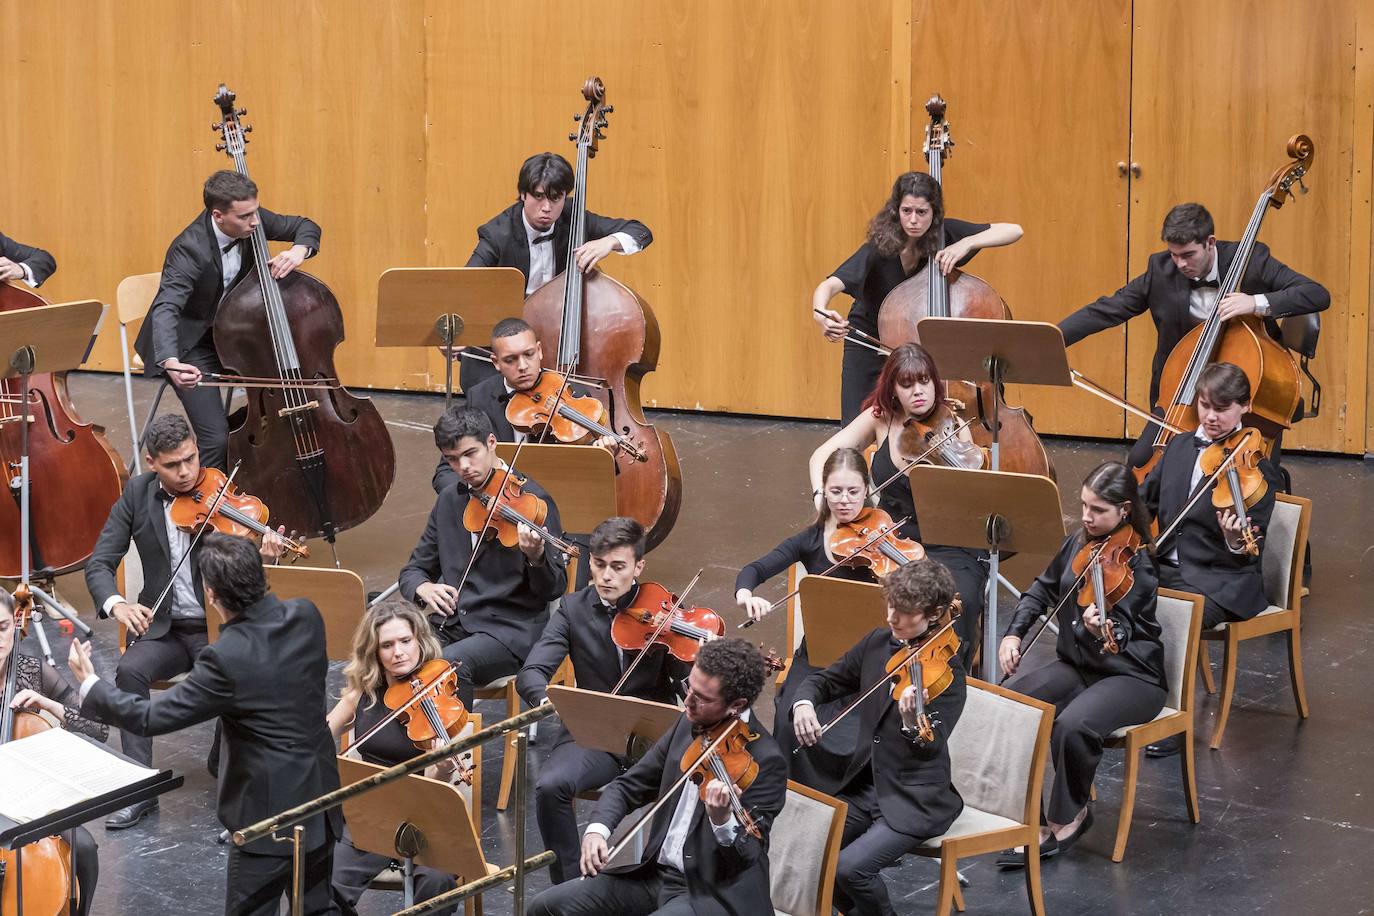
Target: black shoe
(1013, 859)
(1166, 748)
(1083, 827)
(127, 817)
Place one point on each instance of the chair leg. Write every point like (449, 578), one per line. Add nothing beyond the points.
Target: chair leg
(1189, 776)
(1204, 667)
(1230, 649)
(1295, 670)
(1123, 823)
(1033, 888)
(949, 885)
(959, 896)
(147, 421)
(508, 759)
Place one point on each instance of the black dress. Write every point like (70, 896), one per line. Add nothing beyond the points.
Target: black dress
(822, 766)
(967, 566)
(869, 276)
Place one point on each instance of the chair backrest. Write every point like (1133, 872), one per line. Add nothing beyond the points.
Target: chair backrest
(338, 593)
(1180, 620)
(795, 630)
(804, 851)
(998, 750)
(135, 295)
(1284, 542)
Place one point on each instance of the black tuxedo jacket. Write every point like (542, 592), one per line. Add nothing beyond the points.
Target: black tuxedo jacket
(184, 308)
(721, 880)
(264, 679)
(915, 792)
(38, 260)
(1233, 581)
(488, 396)
(137, 516)
(581, 629)
(1164, 292)
(505, 597)
(502, 242)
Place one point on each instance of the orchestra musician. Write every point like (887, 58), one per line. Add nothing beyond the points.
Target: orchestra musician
(580, 630)
(41, 687)
(1179, 289)
(24, 262)
(531, 235)
(909, 388)
(264, 680)
(910, 227)
(163, 640)
(202, 264)
(491, 625)
(1094, 691)
(1206, 555)
(845, 485)
(898, 786)
(697, 858)
(391, 643)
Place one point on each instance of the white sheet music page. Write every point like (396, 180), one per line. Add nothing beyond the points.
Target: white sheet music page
(55, 769)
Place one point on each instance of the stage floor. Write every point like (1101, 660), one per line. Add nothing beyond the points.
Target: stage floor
(1287, 806)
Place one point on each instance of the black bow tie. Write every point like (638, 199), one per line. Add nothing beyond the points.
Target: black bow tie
(163, 495)
(1201, 283)
(225, 249)
(541, 239)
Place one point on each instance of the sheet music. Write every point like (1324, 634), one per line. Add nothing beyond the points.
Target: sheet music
(55, 769)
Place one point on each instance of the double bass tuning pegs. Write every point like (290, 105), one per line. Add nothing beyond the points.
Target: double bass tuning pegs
(572, 137)
(577, 117)
(609, 109)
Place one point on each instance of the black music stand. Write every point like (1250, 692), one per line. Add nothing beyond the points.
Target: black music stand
(993, 511)
(445, 307)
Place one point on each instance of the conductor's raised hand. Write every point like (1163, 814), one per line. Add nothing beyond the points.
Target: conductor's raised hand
(79, 660)
(594, 853)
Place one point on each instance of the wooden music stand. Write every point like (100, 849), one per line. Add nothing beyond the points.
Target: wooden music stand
(338, 593)
(836, 614)
(1021, 352)
(607, 722)
(993, 511)
(580, 478)
(445, 307)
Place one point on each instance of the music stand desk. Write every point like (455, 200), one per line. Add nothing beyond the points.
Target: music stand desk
(580, 478)
(836, 614)
(606, 722)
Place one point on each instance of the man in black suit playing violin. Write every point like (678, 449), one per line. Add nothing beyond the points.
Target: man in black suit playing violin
(531, 235)
(203, 263)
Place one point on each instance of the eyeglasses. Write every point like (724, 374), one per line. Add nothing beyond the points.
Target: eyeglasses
(687, 691)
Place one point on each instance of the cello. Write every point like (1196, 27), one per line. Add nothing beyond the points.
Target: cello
(928, 293)
(1243, 341)
(602, 329)
(75, 475)
(319, 455)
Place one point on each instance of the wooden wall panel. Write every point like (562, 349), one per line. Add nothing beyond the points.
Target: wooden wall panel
(1038, 109)
(1217, 91)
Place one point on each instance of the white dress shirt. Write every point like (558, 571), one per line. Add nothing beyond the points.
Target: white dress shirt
(542, 261)
(1202, 300)
(28, 275)
(232, 260)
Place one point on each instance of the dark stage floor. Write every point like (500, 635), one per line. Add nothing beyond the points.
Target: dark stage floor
(1287, 807)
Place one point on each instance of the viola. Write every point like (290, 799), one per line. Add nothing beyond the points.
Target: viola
(1242, 341)
(500, 506)
(927, 669)
(730, 762)
(1103, 567)
(229, 512)
(1245, 482)
(871, 541)
(936, 435)
(549, 407)
(656, 617)
(75, 475)
(602, 329)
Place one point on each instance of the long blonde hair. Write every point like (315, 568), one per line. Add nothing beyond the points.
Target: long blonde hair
(364, 673)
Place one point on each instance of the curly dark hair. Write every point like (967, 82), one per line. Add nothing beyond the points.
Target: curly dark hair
(923, 587)
(166, 433)
(738, 665)
(885, 231)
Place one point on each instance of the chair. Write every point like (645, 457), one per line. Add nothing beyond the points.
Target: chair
(338, 593)
(1180, 618)
(795, 629)
(212, 625)
(998, 752)
(1281, 561)
(804, 851)
(133, 298)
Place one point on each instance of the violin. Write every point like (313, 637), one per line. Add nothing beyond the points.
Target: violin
(1243, 341)
(658, 617)
(730, 762)
(500, 506)
(856, 541)
(549, 407)
(927, 669)
(46, 863)
(429, 706)
(235, 512)
(1103, 568)
(1245, 482)
(936, 435)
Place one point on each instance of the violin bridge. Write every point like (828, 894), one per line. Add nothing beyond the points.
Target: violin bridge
(308, 405)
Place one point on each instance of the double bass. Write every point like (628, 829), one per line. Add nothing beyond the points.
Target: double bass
(1243, 341)
(75, 476)
(928, 293)
(602, 329)
(320, 456)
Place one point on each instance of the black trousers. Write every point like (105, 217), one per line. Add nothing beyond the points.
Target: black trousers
(665, 894)
(1087, 709)
(821, 766)
(569, 769)
(255, 884)
(160, 659)
(869, 845)
(481, 658)
(354, 870)
(858, 376)
(1171, 576)
(971, 579)
(205, 409)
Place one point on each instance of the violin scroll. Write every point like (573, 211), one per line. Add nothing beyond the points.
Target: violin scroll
(593, 120)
